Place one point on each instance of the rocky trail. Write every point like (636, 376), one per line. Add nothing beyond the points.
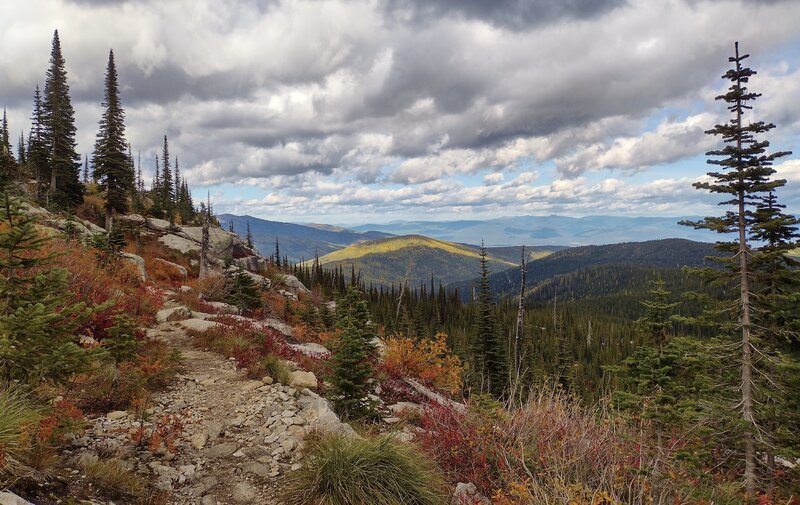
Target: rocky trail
(221, 438)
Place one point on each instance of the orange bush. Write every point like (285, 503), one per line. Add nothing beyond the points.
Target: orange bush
(428, 360)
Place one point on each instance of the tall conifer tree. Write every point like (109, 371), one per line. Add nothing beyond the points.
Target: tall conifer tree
(38, 146)
(744, 180)
(112, 166)
(64, 187)
(489, 350)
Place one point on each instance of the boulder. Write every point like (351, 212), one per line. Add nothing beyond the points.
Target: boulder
(173, 314)
(157, 224)
(176, 267)
(179, 244)
(280, 326)
(93, 228)
(319, 415)
(224, 308)
(404, 407)
(260, 280)
(9, 498)
(134, 219)
(243, 492)
(199, 324)
(293, 285)
(138, 261)
(467, 494)
(251, 263)
(301, 379)
(311, 349)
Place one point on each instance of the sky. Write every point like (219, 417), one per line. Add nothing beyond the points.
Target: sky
(355, 112)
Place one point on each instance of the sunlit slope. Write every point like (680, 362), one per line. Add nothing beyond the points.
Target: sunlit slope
(411, 258)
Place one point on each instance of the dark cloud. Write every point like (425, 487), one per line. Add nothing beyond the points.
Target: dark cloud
(512, 14)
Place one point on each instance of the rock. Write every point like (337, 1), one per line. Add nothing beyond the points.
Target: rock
(311, 349)
(391, 420)
(222, 450)
(199, 440)
(185, 289)
(260, 280)
(180, 269)
(467, 494)
(138, 261)
(279, 325)
(199, 324)
(157, 224)
(403, 436)
(302, 379)
(173, 314)
(224, 308)
(135, 219)
(259, 469)
(293, 285)
(179, 244)
(116, 415)
(243, 492)
(9, 498)
(251, 263)
(214, 430)
(209, 499)
(380, 346)
(267, 380)
(320, 416)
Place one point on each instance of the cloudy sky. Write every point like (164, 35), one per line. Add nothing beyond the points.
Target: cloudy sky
(357, 111)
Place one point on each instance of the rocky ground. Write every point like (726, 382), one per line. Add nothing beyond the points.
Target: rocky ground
(221, 438)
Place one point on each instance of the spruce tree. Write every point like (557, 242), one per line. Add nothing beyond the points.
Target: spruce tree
(489, 350)
(63, 169)
(7, 163)
(277, 253)
(353, 357)
(38, 340)
(167, 187)
(112, 165)
(745, 177)
(22, 157)
(86, 169)
(249, 236)
(39, 147)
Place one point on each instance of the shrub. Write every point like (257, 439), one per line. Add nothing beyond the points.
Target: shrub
(428, 360)
(244, 293)
(19, 417)
(271, 365)
(352, 471)
(112, 476)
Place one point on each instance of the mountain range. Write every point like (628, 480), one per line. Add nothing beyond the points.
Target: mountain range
(548, 230)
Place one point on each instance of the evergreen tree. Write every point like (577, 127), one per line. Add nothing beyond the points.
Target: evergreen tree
(22, 157)
(489, 351)
(244, 293)
(249, 236)
(63, 169)
(38, 339)
(7, 163)
(167, 187)
(112, 166)
(744, 179)
(39, 147)
(230, 226)
(353, 357)
(277, 253)
(86, 169)
(177, 182)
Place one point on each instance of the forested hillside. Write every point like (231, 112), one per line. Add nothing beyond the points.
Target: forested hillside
(411, 260)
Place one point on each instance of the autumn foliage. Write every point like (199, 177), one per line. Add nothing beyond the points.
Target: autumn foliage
(428, 360)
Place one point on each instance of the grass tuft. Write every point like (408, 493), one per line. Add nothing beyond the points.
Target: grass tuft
(112, 476)
(351, 471)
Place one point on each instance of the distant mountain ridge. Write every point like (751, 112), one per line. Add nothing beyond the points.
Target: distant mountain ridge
(297, 241)
(415, 259)
(548, 230)
(653, 254)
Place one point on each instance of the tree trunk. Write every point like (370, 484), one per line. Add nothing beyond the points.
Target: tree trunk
(520, 332)
(747, 360)
(109, 219)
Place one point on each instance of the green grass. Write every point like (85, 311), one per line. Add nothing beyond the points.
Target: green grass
(113, 476)
(393, 244)
(351, 471)
(19, 415)
(273, 366)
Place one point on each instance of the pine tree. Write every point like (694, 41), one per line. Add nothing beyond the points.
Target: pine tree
(22, 157)
(112, 166)
(244, 292)
(86, 168)
(177, 183)
(744, 179)
(63, 169)
(489, 350)
(277, 253)
(7, 163)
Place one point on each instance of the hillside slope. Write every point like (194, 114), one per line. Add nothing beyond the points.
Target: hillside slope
(411, 258)
(664, 254)
(297, 241)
